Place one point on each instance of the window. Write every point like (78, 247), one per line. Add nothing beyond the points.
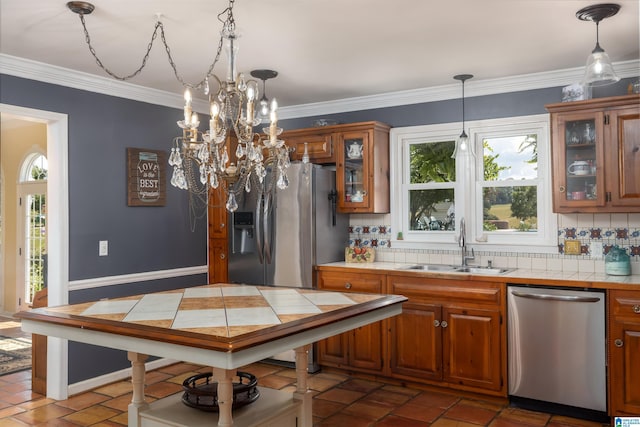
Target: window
(431, 188)
(503, 192)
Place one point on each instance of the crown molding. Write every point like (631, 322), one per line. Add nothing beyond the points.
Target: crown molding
(29, 69)
(473, 88)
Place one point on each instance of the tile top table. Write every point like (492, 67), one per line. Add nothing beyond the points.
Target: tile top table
(221, 325)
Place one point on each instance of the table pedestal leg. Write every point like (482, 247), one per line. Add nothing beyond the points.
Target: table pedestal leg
(225, 395)
(138, 402)
(302, 392)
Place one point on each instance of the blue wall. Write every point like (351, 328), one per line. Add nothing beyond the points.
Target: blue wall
(141, 239)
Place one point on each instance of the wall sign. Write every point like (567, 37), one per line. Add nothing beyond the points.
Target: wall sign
(146, 177)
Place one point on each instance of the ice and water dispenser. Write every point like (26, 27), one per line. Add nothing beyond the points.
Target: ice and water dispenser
(243, 233)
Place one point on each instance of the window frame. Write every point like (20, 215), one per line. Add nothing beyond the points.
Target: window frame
(468, 187)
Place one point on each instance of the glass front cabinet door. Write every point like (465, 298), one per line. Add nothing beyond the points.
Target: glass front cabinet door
(594, 144)
(579, 161)
(352, 172)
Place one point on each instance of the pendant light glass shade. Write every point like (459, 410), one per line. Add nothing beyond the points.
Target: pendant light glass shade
(599, 70)
(463, 145)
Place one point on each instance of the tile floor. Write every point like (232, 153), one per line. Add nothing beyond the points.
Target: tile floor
(339, 401)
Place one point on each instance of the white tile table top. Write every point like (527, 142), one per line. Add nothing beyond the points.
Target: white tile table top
(222, 310)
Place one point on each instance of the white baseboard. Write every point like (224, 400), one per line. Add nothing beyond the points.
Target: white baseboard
(92, 383)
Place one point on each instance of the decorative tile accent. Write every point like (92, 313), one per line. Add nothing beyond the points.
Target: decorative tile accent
(375, 236)
(626, 238)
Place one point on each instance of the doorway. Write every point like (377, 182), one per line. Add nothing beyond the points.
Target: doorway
(57, 231)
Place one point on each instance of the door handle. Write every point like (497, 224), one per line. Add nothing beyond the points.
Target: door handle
(547, 297)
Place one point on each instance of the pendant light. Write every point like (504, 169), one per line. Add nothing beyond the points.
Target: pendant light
(264, 75)
(462, 144)
(599, 71)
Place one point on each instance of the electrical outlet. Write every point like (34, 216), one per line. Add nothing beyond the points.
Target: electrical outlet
(103, 248)
(572, 247)
(596, 250)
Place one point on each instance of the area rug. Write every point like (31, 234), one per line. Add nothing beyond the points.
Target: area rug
(15, 354)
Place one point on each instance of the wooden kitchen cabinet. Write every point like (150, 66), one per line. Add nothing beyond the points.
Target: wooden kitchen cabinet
(596, 155)
(361, 348)
(360, 152)
(451, 332)
(362, 168)
(415, 342)
(319, 142)
(624, 352)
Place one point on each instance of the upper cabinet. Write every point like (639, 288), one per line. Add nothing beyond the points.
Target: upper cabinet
(360, 152)
(596, 155)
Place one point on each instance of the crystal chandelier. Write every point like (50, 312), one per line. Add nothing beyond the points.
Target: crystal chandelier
(256, 161)
(230, 154)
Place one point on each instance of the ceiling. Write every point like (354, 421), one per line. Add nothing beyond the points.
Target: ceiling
(323, 50)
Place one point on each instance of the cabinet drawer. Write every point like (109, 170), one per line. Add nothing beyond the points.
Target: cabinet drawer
(319, 147)
(446, 290)
(625, 303)
(349, 282)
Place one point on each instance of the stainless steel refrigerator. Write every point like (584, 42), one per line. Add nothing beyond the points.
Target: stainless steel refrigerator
(276, 239)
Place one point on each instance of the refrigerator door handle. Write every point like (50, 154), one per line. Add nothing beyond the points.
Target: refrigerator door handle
(333, 197)
(259, 231)
(266, 227)
(233, 233)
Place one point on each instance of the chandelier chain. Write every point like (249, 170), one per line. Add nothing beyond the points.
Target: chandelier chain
(228, 23)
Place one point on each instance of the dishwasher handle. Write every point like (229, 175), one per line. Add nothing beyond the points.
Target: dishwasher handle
(548, 297)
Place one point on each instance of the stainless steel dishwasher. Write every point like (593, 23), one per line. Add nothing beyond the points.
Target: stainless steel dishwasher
(557, 350)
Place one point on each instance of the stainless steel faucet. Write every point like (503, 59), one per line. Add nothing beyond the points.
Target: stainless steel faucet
(462, 242)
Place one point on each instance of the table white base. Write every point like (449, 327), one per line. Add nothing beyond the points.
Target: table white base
(273, 408)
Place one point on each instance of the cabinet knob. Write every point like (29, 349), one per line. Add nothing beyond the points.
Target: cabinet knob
(562, 188)
(444, 324)
(222, 225)
(618, 343)
(636, 309)
(347, 285)
(436, 323)
(222, 256)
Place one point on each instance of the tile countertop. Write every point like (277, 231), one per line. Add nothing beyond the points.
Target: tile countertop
(515, 276)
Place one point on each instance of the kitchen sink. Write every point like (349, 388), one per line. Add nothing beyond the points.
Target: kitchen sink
(430, 267)
(482, 270)
(456, 269)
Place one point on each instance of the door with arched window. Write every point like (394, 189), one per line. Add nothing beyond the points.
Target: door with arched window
(31, 228)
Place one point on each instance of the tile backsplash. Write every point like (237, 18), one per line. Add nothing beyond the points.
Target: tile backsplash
(596, 234)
